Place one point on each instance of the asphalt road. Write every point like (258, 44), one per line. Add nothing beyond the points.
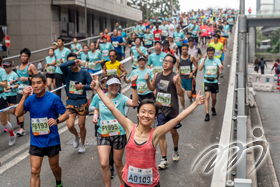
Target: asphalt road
(84, 169)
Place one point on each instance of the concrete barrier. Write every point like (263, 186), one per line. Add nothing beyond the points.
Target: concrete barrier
(262, 82)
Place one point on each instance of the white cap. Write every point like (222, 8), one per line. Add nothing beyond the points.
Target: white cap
(113, 81)
(54, 43)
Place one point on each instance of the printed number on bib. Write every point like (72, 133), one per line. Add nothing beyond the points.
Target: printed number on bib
(142, 88)
(105, 53)
(211, 70)
(21, 87)
(194, 32)
(185, 70)
(140, 176)
(177, 39)
(164, 33)
(217, 52)
(58, 63)
(73, 90)
(115, 44)
(40, 126)
(203, 30)
(110, 128)
(8, 86)
(157, 35)
(147, 42)
(134, 62)
(91, 65)
(164, 99)
(50, 70)
(157, 68)
(111, 71)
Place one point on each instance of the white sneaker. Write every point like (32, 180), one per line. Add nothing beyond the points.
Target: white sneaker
(82, 149)
(175, 156)
(163, 164)
(21, 132)
(12, 140)
(76, 142)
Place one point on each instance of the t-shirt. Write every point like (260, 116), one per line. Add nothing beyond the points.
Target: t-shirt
(50, 69)
(210, 69)
(218, 48)
(141, 30)
(146, 37)
(41, 109)
(115, 42)
(170, 30)
(74, 49)
(92, 57)
(135, 30)
(82, 77)
(106, 116)
(131, 42)
(156, 61)
(157, 35)
(178, 36)
(230, 21)
(195, 30)
(164, 29)
(3, 77)
(105, 48)
(142, 87)
(84, 58)
(58, 55)
(226, 30)
(136, 54)
(10, 77)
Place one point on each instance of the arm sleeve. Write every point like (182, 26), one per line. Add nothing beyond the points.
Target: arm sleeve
(88, 80)
(64, 66)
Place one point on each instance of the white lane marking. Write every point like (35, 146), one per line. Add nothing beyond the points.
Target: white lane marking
(26, 145)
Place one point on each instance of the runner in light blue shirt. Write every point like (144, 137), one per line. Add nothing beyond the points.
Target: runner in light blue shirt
(155, 60)
(136, 51)
(105, 48)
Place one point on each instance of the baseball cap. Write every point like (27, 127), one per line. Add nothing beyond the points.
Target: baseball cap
(140, 21)
(7, 63)
(178, 27)
(141, 57)
(104, 37)
(191, 39)
(135, 23)
(113, 81)
(120, 27)
(165, 42)
(54, 43)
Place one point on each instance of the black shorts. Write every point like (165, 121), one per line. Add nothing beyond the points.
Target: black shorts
(196, 40)
(117, 142)
(19, 96)
(46, 151)
(158, 185)
(51, 76)
(147, 96)
(12, 99)
(162, 119)
(211, 87)
(3, 103)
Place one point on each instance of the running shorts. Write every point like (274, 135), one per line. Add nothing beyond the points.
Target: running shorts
(81, 110)
(117, 142)
(19, 96)
(12, 99)
(51, 76)
(162, 119)
(3, 103)
(187, 84)
(46, 151)
(211, 87)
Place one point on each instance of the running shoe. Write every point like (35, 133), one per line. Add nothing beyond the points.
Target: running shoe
(112, 172)
(76, 142)
(163, 164)
(194, 95)
(175, 156)
(214, 113)
(58, 185)
(21, 132)
(5, 130)
(221, 75)
(207, 117)
(12, 140)
(82, 149)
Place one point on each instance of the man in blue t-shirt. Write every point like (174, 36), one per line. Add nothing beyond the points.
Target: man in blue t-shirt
(77, 81)
(210, 64)
(117, 43)
(44, 108)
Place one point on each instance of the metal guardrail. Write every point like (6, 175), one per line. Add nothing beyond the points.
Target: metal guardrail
(220, 174)
(265, 13)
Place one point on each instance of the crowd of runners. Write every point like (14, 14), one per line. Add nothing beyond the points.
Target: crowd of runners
(165, 53)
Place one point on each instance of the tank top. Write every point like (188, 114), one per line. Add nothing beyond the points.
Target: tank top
(113, 69)
(23, 73)
(166, 95)
(140, 168)
(185, 67)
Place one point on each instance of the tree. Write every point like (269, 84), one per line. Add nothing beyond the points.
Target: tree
(154, 7)
(274, 37)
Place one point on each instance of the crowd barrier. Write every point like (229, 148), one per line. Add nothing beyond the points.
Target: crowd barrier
(266, 82)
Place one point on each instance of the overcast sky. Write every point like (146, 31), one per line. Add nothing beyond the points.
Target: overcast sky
(187, 5)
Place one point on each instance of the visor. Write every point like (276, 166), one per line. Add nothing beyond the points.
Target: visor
(113, 81)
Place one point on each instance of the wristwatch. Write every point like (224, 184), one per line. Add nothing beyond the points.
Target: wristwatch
(57, 121)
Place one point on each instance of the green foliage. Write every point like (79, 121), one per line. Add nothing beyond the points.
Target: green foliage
(275, 36)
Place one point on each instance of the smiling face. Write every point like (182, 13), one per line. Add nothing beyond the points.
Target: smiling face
(113, 88)
(147, 114)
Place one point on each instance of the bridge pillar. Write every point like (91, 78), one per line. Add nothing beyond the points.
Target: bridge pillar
(252, 44)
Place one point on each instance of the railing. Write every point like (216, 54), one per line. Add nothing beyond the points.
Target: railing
(265, 13)
(220, 174)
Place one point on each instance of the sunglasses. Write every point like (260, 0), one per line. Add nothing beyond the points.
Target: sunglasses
(5, 66)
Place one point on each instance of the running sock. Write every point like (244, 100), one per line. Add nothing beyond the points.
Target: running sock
(10, 129)
(121, 185)
(194, 88)
(17, 121)
(175, 149)
(58, 182)
(21, 124)
(164, 157)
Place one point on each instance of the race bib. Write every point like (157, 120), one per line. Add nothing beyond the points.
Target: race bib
(21, 87)
(163, 99)
(50, 70)
(115, 44)
(40, 126)
(217, 52)
(140, 176)
(177, 39)
(185, 70)
(147, 42)
(204, 30)
(164, 33)
(134, 62)
(91, 65)
(84, 63)
(73, 90)
(157, 35)
(110, 128)
(58, 63)
(211, 70)
(142, 88)
(157, 68)
(105, 53)
(194, 32)
(8, 86)
(225, 32)
(111, 71)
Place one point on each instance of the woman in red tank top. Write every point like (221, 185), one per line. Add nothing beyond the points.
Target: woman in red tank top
(140, 169)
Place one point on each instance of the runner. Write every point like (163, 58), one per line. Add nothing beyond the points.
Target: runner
(179, 37)
(54, 46)
(136, 51)
(219, 50)
(226, 29)
(83, 54)
(196, 52)
(210, 64)
(106, 34)
(141, 30)
(172, 44)
(204, 33)
(4, 84)
(114, 67)
(95, 59)
(125, 39)
(185, 67)
(166, 48)
(24, 71)
(148, 39)
(112, 137)
(117, 42)
(164, 29)
(77, 82)
(100, 40)
(157, 34)
(44, 136)
(230, 22)
(170, 28)
(139, 157)
(131, 42)
(122, 47)
(104, 49)
(156, 59)
(168, 86)
(134, 28)
(75, 47)
(195, 29)
(50, 69)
